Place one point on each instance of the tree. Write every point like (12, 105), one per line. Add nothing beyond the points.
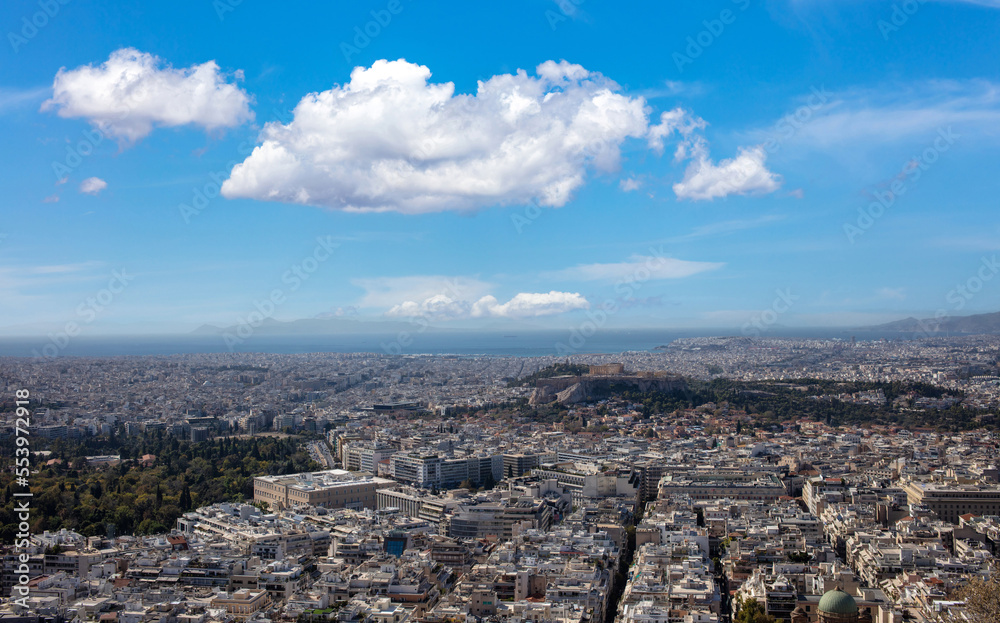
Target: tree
(750, 611)
(149, 526)
(982, 601)
(185, 501)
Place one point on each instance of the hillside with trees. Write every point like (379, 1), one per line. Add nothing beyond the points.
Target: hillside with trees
(770, 402)
(142, 497)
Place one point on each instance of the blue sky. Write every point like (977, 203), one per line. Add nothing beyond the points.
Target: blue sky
(683, 164)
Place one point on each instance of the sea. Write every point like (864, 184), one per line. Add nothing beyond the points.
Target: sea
(463, 343)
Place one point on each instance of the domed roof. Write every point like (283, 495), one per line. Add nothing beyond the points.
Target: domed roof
(837, 602)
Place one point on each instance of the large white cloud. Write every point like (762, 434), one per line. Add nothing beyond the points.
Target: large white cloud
(391, 140)
(133, 91)
(523, 305)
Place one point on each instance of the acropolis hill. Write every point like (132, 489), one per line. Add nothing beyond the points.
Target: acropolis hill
(601, 380)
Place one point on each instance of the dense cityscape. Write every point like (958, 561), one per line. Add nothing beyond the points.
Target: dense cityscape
(712, 479)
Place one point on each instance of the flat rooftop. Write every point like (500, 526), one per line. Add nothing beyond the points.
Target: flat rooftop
(320, 480)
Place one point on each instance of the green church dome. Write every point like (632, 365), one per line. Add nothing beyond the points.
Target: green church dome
(838, 602)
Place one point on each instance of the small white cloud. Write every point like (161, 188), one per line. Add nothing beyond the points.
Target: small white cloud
(892, 294)
(530, 305)
(438, 307)
(388, 291)
(62, 269)
(61, 181)
(523, 305)
(638, 267)
(339, 312)
(721, 228)
(11, 99)
(745, 174)
(131, 92)
(703, 179)
(92, 186)
(630, 184)
(51, 199)
(676, 120)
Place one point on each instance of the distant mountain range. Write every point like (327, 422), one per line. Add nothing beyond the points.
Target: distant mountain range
(977, 323)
